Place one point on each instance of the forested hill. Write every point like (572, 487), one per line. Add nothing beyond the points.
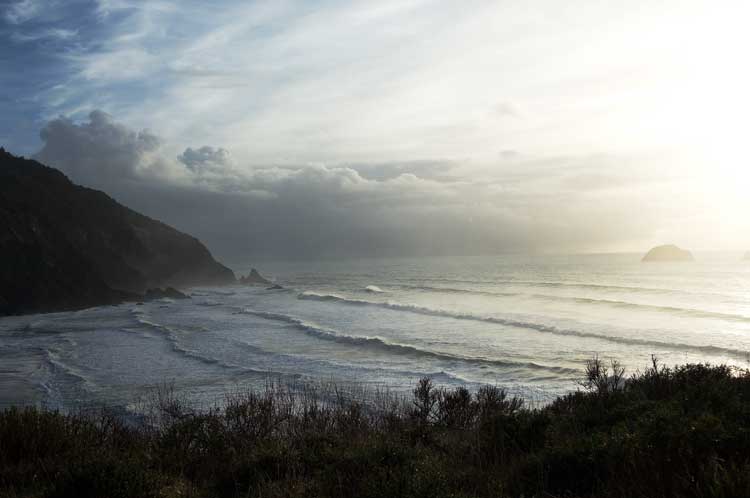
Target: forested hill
(64, 246)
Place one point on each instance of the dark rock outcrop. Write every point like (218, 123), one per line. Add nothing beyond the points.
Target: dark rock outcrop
(275, 287)
(168, 292)
(254, 278)
(668, 253)
(64, 246)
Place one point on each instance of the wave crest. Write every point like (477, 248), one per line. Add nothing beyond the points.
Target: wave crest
(383, 345)
(548, 329)
(696, 313)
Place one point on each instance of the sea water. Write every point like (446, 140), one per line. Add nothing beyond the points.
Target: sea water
(525, 323)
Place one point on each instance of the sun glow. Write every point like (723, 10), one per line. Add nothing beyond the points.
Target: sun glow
(702, 111)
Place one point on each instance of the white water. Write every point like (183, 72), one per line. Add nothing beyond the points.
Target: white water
(527, 324)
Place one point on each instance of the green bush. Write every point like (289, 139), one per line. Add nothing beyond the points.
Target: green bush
(666, 432)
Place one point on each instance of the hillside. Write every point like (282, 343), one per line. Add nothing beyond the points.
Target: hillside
(64, 246)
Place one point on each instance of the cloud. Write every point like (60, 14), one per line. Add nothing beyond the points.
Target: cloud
(117, 65)
(503, 125)
(100, 149)
(22, 11)
(60, 34)
(506, 109)
(356, 82)
(205, 159)
(433, 169)
(310, 210)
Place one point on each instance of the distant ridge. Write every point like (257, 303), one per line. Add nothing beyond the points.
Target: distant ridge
(64, 246)
(668, 253)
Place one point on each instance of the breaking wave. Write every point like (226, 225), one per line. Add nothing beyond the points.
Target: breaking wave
(695, 313)
(377, 343)
(548, 329)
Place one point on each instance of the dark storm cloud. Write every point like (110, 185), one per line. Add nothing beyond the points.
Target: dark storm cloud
(99, 149)
(409, 208)
(205, 159)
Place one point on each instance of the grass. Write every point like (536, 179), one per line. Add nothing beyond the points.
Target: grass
(665, 432)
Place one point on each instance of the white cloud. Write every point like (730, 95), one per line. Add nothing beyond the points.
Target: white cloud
(24, 10)
(116, 65)
(387, 81)
(550, 113)
(43, 34)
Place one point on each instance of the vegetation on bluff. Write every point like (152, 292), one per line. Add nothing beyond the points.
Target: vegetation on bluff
(64, 246)
(666, 432)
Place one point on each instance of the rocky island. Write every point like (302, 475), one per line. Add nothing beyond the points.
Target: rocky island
(254, 278)
(64, 246)
(668, 253)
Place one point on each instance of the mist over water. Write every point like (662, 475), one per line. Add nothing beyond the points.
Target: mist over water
(524, 323)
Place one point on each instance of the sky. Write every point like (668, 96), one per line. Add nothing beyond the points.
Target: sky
(386, 128)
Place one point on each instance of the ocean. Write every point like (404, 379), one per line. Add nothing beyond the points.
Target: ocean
(525, 323)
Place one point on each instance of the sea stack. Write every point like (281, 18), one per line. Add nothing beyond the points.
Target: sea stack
(254, 278)
(668, 253)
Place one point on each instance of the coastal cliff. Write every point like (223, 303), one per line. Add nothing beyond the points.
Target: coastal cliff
(65, 246)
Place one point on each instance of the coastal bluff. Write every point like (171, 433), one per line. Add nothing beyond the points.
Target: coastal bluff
(65, 246)
(667, 253)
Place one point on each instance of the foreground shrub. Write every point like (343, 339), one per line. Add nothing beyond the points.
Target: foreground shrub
(666, 432)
